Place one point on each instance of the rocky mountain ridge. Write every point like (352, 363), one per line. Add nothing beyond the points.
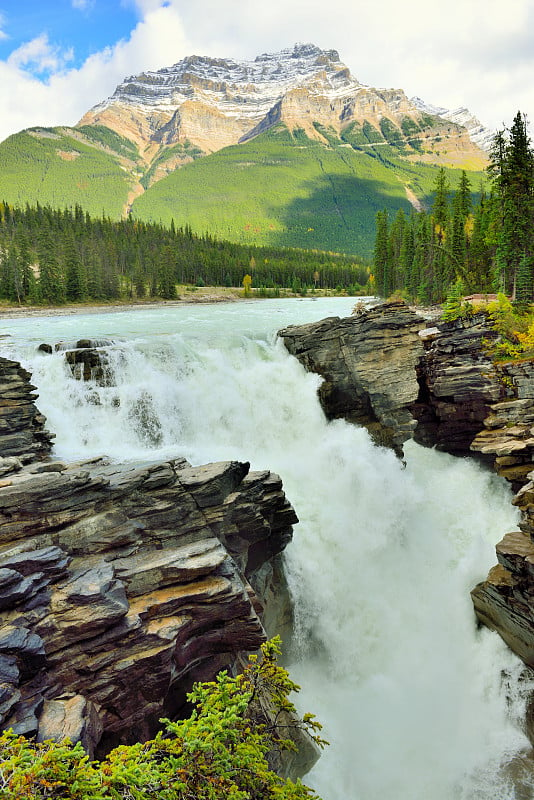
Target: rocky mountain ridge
(478, 132)
(213, 103)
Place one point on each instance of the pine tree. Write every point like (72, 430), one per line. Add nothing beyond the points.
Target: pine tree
(51, 286)
(382, 263)
(440, 206)
(166, 275)
(75, 277)
(512, 170)
(524, 283)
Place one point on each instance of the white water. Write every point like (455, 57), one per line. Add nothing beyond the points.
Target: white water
(417, 703)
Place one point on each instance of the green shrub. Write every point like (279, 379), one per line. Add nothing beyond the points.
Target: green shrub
(219, 753)
(455, 306)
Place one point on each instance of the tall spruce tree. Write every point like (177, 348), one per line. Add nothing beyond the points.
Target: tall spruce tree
(512, 170)
(382, 261)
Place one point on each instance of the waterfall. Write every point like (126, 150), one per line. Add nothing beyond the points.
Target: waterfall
(418, 703)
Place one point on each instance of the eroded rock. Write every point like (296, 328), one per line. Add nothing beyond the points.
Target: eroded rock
(22, 426)
(122, 584)
(385, 369)
(368, 362)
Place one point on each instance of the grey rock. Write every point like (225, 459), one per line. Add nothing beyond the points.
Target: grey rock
(121, 584)
(368, 362)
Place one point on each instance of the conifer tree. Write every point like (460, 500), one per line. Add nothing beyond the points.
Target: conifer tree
(382, 265)
(512, 170)
(51, 285)
(75, 278)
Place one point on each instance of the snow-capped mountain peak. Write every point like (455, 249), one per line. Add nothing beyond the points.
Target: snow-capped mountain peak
(478, 132)
(211, 103)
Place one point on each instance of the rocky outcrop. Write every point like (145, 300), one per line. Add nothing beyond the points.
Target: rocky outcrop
(505, 600)
(384, 368)
(444, 391)
(122, 584)
(22, 428)
(88, 359)
(368, 362)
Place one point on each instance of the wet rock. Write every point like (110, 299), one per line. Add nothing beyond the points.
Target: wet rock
(368, 362)
(385, 369)
(22, 427)
(121, 584)
(90, 364)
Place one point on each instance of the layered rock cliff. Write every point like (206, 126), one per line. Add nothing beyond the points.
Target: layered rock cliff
(385, 368)
(215, 102)
(122, 584)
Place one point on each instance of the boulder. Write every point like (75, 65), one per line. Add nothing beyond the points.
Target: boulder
(122, 584)
(369, 365)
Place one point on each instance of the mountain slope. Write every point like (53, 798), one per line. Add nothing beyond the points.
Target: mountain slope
(93, 167)
(287, 149)
(284, 188)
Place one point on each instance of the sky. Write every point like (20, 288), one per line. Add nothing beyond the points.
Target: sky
(58, 58)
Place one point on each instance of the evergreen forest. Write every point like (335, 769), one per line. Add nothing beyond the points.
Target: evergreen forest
(53, 256)
(466, 242)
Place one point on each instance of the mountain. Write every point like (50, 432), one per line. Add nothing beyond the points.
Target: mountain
(214, 103)
(478, 133)
(287, 149)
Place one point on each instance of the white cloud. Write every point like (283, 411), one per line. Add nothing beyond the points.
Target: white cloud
(478, 53)
(38, 55)
(157, 41)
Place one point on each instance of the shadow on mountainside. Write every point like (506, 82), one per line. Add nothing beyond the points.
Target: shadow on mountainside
(337, 214)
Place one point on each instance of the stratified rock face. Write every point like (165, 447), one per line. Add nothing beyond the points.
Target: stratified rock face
(442, 389)
(215, 102)
(368, 362)
(120, 585)
(458, 385)
(383, 368)
(505, 600)
(22, 427)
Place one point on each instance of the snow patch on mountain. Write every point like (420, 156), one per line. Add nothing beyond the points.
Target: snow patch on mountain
(478, 132)
(243, 88)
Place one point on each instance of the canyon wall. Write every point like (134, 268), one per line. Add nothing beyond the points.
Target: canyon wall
(122, 584)
(390, 370)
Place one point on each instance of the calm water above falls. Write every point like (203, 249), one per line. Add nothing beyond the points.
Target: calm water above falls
(417, 703)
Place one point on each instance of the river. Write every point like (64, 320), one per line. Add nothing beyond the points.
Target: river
(417, 702)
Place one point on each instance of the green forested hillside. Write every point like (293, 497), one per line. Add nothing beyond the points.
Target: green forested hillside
(63, 167)
(54, 256)
(285, 189)
(280, 189)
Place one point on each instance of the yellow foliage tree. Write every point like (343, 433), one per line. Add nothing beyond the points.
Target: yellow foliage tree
(247, 283)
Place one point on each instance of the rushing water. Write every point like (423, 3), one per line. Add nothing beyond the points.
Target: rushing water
(417, 703)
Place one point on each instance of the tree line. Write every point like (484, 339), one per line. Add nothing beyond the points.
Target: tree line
(55, 256)
(483, 242)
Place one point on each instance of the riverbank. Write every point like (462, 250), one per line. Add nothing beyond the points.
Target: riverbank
(199, 295)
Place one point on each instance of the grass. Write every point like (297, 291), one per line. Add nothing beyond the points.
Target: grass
(284, 189)
(52, 167)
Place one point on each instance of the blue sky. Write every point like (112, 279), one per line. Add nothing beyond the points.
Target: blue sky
(58, 58)
(82, 27)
